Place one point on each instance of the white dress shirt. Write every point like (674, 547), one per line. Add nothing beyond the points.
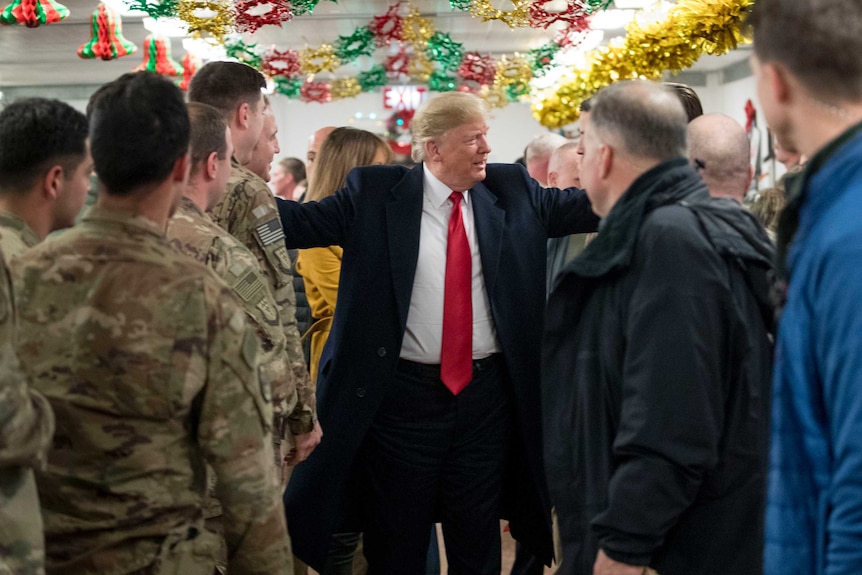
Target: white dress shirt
(422, 339)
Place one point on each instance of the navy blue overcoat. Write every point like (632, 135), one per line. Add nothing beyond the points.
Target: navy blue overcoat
(376, 220)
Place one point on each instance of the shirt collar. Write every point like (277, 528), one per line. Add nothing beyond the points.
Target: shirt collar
(437, 192)
(101, 216)
(28, 236)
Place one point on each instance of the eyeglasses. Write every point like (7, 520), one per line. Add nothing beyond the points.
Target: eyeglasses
(699, 164)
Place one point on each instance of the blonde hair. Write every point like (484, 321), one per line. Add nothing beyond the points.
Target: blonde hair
(342, 150)
(442, 113)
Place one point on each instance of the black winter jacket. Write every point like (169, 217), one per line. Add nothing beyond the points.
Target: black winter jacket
(656, 371)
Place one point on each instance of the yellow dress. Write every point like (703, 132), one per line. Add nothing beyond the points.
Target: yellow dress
(320, 269)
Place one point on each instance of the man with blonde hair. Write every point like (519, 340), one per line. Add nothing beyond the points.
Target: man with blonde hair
(427, 384)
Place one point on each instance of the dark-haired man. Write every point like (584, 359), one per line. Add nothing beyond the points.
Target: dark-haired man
(811, 93)
(248, 211)
(44, 176)
(149, 365)
(656, 359)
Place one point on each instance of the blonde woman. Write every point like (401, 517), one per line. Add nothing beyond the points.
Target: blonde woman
(320, 268)
(343, 150)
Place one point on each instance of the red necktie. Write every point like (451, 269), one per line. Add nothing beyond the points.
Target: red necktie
(456, 358)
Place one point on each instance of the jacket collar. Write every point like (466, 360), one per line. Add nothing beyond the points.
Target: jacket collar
(668, 183)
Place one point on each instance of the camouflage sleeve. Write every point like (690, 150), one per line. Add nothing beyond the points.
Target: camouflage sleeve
(26, 427)
(301, 419)
(234, 432)
(26, 419)
(259, 207)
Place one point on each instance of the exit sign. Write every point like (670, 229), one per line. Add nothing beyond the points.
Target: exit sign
(404, 97)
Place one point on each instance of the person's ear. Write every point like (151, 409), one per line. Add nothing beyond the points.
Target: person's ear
(212, 165)
(243, 115)
(606, 161)
(432, 150)
(52, 182)
(778, 80)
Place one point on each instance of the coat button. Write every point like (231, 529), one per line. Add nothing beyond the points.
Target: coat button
(360, 392)
(381, 351)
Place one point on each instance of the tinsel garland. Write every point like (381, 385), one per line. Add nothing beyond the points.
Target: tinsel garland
(155, 9)
(445, 51)
(248, 20)
(285, 63)
(670, 42)
(213, 17)
(360, 43)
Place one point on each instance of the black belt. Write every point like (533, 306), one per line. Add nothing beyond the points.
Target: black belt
(432, 370)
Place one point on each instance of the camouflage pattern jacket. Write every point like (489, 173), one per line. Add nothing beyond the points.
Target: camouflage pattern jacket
(26, 427)
(152, 370)
(194, 233)
(249, 213)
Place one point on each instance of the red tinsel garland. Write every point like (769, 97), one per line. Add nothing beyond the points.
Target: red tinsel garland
(279, 12)
(280, 63)
(541, 18)
(388, 28)
(477, 68)
(315, 92)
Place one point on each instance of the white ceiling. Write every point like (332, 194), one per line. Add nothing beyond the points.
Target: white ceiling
(47, 55)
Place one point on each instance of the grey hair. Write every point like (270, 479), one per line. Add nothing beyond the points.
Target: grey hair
(442, 113)
(543, 145)
(643, 118)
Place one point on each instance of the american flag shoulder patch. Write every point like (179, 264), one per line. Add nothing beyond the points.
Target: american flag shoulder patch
(270, 232)
(248, 286)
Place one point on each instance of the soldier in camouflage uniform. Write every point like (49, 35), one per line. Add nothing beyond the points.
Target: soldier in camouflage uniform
(151, 368)
(248, 211)
(44, 170)
(192, 232)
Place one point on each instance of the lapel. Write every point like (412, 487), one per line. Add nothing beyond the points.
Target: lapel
(488, 219)
(403, 217)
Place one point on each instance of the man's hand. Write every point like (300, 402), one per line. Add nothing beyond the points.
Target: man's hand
(604, 565)
(304, 445)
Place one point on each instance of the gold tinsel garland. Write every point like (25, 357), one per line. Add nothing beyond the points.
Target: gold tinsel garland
(654, 43)
(517, 18)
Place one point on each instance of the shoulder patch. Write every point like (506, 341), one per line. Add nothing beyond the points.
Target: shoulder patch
(270, 231)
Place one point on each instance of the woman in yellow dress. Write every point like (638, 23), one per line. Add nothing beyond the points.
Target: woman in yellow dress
(344, 149)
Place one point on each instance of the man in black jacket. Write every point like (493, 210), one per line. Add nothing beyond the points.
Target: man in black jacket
(657, 359)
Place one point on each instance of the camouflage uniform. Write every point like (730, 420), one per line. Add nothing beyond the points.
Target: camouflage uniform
(195, 234)
(151, 368)
(26, 426)
(249, 212)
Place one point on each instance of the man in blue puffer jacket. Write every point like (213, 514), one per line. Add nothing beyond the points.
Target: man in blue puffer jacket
(811, 93)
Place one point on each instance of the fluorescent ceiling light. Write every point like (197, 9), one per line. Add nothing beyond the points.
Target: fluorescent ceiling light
(611, 19)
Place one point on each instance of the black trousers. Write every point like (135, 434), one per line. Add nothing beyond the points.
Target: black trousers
(431, 456)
